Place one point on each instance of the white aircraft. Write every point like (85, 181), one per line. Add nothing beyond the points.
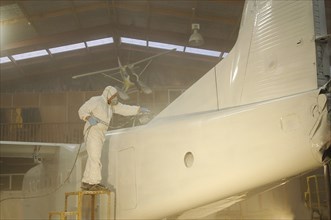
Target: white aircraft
(129, 77)
(255, 120)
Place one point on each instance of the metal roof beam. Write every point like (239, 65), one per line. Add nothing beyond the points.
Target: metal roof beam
(174, 12)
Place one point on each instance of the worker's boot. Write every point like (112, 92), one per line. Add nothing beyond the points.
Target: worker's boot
(98, 187)
(86, 186)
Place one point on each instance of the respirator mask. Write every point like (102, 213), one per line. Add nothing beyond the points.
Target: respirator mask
(114, 101)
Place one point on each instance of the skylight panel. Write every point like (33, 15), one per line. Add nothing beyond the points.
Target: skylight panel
(28, 55)
(133, 41)
(99, 42)
(205, 52)
(165, 46)
(4, 60)
(66, 48)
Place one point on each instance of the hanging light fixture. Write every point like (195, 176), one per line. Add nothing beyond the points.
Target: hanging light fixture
(196, 39)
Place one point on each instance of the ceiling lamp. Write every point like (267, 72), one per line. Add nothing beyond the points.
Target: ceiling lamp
(196, 39)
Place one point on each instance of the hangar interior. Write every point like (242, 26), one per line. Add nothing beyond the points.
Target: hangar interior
(45, 43)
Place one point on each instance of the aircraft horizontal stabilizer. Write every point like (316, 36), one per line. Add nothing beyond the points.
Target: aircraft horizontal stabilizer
(209, 209)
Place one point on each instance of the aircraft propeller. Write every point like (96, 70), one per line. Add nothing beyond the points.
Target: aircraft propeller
(128, 74)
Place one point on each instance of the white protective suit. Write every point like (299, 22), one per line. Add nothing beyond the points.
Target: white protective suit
(94, 136)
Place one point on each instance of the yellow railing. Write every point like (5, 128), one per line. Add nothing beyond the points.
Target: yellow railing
(79, 212)
(42, 132)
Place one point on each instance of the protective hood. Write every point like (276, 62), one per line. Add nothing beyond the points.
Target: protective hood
(108, 92)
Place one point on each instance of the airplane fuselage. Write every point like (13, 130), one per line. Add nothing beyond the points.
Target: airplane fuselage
(174, 164)
(255, 119)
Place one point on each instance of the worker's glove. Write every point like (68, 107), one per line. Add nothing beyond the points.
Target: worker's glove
(144, 110)
(93, 120)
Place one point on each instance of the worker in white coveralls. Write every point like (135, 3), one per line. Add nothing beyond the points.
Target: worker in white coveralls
(97, 112)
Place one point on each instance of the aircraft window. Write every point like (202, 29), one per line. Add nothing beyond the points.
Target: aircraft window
(99, 42)
(165, 46)
(37, 53)
(188, 159)
(211, 53)
(66, 48)
(133, 41)
(4, 60)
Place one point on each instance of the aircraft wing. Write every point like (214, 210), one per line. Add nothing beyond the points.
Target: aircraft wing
(24, 149)
(96, 72)
(152, 57)
(118, 68)
(209, 209)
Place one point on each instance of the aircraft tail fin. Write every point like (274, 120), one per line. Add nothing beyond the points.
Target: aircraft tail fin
(276, 55)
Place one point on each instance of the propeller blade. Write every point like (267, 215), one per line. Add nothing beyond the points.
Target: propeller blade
(123, 95)
(139, 84)
(144, 87)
